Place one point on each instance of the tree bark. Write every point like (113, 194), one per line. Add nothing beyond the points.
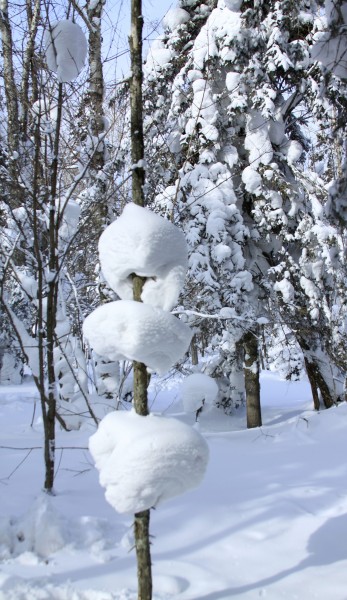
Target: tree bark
(9, 79)
(141, 523)
(311, 374)
(315, 376)
(252, 383)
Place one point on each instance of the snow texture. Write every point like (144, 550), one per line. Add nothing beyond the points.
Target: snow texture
(141, 242)
(158, 57)
(146, 460)
(198, 390)
(66, 50)
(129, 330)
(285, 288)
(174, 18)
(69, 221)
(10, 370)
(281, 497)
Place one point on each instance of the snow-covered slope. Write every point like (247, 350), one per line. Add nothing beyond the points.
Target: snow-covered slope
(269, 520)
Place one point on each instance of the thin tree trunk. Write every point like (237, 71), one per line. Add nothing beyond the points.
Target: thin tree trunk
(141, 523)
(311, 374)
(194, 351)
(315, 376)
(9, 79)
(252, 383)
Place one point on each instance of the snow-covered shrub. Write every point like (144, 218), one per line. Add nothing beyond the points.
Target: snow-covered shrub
(198, 391)
(146, 460)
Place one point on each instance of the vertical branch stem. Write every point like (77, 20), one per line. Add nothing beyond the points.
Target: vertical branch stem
(141, 523)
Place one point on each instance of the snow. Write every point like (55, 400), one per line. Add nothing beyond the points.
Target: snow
(129, 330)
(144, 461)
(158, 57)
(257, 140)
(69, 221)
(141, 242)
(198, 390)
(252, 180)
(285, 288)
(9, 369)
(268, 521)
(66, 50)
(174, 18)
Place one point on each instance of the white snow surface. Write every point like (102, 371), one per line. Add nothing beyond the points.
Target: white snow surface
(268, 521)
(66, 49)
(146, 460)
(142, 242)
(129, 330)
(198, 390)
(174, 18)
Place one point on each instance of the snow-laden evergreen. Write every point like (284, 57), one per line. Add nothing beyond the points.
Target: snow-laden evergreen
(237, 181)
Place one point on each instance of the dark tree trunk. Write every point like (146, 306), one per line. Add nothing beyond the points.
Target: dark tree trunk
(194, 351)
(141, 523)
(311, 374)
(252, 383)
(315, 376)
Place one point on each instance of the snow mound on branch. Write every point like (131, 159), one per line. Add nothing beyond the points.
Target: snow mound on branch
(66, 50)
(198, 390)
(128, 330)
(158, 57)
(146, 460)
(141, 242)
(175, 17)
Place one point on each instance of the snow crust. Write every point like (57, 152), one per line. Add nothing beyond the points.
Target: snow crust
(141, 242)
(66, 50)
(198, 390)
(128, 330)
(146, 460)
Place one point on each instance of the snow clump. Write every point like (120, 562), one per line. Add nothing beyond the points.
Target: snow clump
(198, 390)
(174, 18)
(141, 242)
(129, 330)
(145, 460)
(66, 49)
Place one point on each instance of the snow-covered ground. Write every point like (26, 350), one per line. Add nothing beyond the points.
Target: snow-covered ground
(268, 521)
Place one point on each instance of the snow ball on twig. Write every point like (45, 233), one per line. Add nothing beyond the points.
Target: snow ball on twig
(128, 330)
(145, 460)
(66, 49)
